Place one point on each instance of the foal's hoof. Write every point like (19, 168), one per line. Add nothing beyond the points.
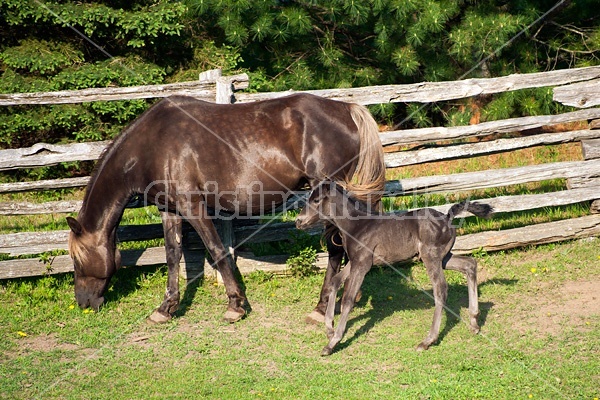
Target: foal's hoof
(326, 351)
(422, 347)
(158, 317)
(315, 318)
(232, 316)
(475, 329)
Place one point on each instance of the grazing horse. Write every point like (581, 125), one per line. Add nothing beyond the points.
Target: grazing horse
(188, 157)
(373, 239)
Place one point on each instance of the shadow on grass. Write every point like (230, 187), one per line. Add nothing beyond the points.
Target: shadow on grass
(129, 280)
(389, 293)
(188, 297)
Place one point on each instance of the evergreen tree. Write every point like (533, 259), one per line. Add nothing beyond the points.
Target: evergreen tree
(283, 44)
(131, 43)
(342, 43)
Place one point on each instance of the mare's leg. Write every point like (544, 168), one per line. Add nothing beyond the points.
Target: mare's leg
(440, 293)
(351, 287)
(468, 266)
(172, 231)
(336, 255)
(196, 214)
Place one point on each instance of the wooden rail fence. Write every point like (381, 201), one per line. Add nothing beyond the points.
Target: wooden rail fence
(577, 87)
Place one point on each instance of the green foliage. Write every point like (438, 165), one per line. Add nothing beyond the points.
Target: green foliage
(303, 263)
(40, 56)
(51, 349)
(282, 45)
(38, 291)
(343, 43)
(522, 103)
(39, 52)
(140, 25)
(23, 126)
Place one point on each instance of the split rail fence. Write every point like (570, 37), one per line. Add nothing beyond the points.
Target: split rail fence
(575, 87)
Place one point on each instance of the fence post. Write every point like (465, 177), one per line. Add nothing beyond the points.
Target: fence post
(225, 226)
(224, 95)
(591, 150)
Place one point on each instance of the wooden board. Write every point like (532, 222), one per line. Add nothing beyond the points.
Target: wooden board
(591, 148)
(426, 92)
(43, 154)
(584, 182)
(423, 92)
(582, 94)
(441, 133)
(22, 243)
(49, 207)
(403, 158)
(492, 178)
(549, 232)
(44, 185)
(201, 89)
(588, 226)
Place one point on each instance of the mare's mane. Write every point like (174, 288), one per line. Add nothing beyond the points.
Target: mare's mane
(110, 149)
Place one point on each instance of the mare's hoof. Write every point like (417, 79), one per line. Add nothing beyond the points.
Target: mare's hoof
(232, 316)
(475, 329)
(315, 318)
(158, 317)
(326, 351)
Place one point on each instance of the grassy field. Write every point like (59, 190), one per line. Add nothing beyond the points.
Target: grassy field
(540, 318)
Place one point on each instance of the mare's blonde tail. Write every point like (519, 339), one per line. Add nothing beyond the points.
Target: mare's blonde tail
(368, 181)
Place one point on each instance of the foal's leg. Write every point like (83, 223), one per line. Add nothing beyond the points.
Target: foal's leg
(336, 283)
(351, 287)
(172, 231)
(440, 293)
(468, 266)
(196, 214)
(336, 255)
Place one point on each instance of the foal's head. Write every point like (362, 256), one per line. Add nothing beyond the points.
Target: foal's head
(95, 260)
(325, 202)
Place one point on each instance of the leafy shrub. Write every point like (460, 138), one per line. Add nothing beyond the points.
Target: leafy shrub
(303, 263)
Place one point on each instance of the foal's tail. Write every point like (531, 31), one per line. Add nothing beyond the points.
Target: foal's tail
(478, 209)
(368, 181)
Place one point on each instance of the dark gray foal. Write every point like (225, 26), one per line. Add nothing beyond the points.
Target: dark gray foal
(373, 239)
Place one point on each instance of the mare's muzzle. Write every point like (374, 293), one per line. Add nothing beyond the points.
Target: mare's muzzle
(85, 300)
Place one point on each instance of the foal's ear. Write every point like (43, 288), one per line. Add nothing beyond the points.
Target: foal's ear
(74, 225)
(327, 184)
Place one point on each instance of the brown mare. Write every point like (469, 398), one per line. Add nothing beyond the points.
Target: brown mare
(187, 156)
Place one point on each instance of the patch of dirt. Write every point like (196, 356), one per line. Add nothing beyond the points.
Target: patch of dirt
(45, 342)
(40, 343)
(571, 304)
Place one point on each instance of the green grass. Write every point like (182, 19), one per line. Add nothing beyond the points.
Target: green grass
(539, 338)
(521, 352)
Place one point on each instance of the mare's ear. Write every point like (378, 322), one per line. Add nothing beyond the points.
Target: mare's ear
(74, 225)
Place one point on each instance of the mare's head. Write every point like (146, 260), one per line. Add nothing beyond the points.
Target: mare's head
(95, 260)
(321, 205)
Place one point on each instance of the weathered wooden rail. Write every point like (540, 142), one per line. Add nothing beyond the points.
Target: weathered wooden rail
(583, 177)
